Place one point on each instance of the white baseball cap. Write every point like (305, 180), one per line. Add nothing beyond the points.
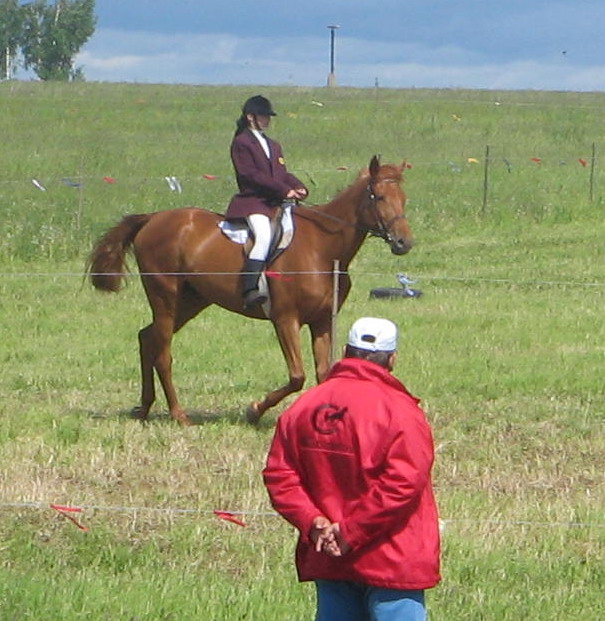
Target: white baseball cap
(373, 334)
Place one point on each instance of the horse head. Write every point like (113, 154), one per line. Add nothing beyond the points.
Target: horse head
(383, 209)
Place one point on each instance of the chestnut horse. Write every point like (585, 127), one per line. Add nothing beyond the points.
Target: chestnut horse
(187, 264)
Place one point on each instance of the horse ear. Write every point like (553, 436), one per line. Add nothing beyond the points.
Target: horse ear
(374, 165)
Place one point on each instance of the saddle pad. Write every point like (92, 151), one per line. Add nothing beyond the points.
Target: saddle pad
(238, 232)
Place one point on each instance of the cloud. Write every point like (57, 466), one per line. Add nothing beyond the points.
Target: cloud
(127, 56)
(115, 55)
(524, 75)
(111, 65)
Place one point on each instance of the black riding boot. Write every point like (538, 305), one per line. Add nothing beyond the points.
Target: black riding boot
(251, 274)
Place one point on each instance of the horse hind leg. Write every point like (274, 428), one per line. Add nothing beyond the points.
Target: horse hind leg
(173, 304)
(163, 367)
(190, 303)
(154, 348)
(147, 356)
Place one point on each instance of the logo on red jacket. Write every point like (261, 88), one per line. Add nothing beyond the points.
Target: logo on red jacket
(327, 418)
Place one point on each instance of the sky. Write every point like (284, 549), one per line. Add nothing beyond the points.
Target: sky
(478, 44)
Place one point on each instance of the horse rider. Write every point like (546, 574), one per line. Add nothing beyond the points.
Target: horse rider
(264, 183)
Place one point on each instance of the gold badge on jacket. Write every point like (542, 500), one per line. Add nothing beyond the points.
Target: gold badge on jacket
(282, 161)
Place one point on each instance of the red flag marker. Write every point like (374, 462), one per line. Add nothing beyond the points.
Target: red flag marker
(229, 517)
(583, 162)
(278, 276)
(65, 512)
(209, 177)
(537, 160)
(109, 180)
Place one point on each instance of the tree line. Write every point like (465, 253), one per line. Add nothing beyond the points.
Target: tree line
(44, 37)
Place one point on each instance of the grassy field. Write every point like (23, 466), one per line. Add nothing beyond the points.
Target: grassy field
(506, 348)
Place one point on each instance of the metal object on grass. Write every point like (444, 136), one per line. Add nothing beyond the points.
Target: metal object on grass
(405, 291)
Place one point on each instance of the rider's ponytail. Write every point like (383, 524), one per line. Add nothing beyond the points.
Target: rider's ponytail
(241, 125)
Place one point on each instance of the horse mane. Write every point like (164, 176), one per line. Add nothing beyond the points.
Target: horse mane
(387, 172)
(317, 213)
(363, 176)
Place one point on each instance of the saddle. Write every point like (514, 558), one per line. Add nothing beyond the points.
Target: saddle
(282, 231)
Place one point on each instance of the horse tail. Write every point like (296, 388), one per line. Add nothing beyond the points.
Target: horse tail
(107, 260)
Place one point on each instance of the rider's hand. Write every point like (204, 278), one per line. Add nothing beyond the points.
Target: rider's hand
(296, 193)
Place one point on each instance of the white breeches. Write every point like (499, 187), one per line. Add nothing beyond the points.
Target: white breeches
(261, 229)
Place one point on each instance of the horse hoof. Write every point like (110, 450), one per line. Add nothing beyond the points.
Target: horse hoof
(253, 413)
(183, 420)
(181, 417)
(139, 413)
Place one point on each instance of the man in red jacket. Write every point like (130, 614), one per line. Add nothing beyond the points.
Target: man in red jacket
(350, 468)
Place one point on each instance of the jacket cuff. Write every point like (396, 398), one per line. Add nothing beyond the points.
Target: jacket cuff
(354, 536)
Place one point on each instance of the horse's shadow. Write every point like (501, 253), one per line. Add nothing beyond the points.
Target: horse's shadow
(233, 416)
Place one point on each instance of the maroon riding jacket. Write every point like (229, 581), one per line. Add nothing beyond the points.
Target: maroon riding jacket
(263, 182)
(358, 449)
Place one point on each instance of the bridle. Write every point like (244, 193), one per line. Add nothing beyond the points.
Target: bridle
(382, 226)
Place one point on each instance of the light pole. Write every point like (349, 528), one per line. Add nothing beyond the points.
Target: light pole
(332, 75)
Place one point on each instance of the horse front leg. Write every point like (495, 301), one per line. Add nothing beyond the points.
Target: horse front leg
(288, 334)
(321, 340)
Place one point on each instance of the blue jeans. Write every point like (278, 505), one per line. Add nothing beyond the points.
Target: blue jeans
(339, 600)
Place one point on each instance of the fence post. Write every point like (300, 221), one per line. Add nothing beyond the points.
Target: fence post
(335, 292)
(592, 167)
(485, 179)
(80, 195)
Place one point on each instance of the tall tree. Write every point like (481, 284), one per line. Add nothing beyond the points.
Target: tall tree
(53, 35)
(11, 25)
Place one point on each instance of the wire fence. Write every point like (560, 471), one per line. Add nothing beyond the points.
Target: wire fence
(533, 282)
(489, 160)
(238, 515)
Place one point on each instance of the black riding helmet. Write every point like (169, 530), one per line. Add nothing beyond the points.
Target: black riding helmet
(258, 105)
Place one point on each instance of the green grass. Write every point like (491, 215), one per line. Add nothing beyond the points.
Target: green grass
(506, 349)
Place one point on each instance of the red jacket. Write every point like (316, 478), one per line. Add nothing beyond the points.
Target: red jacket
(358, 449)
(263, 182)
